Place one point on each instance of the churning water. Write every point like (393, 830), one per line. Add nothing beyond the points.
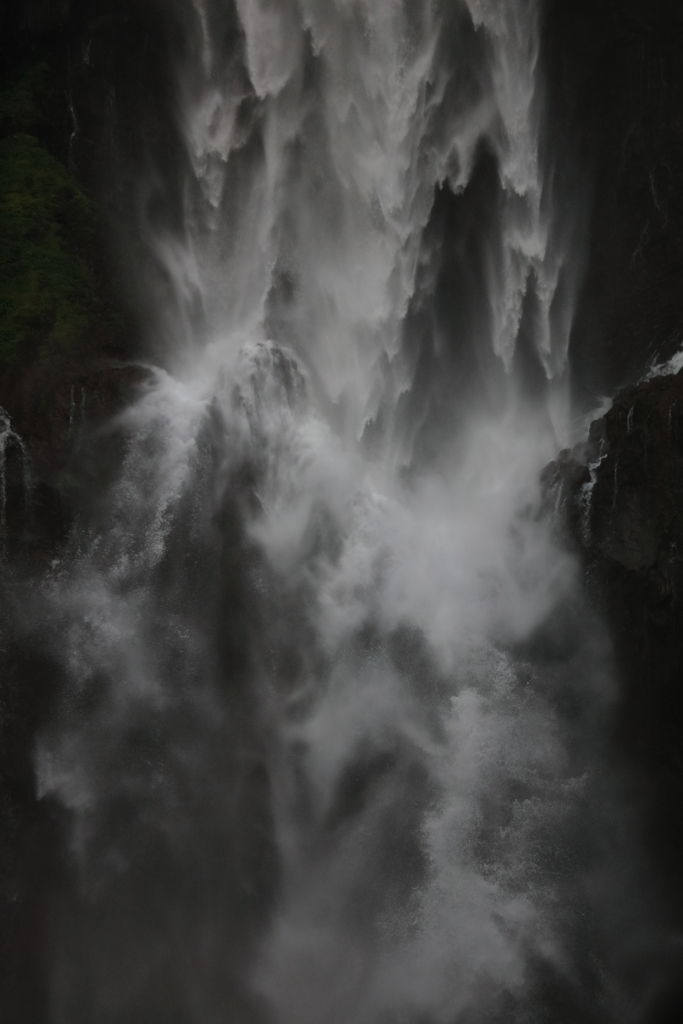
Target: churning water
(329, 742)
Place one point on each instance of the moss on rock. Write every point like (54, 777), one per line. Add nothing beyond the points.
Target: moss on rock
(51, 298)
(48, 297)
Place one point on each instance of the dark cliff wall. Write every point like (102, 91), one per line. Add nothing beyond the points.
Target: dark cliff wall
(615, 91)
(67, 329)
(615, 84)
(87, 97)
(619, 496)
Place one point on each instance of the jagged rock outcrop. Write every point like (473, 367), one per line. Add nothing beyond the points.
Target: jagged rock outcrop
(619, 498)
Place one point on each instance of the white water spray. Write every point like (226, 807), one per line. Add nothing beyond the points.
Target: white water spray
(375, 613)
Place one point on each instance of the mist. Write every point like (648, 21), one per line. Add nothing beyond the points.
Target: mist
(333, 740)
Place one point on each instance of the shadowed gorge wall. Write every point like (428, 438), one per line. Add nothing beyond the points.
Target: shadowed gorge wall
(615, 81)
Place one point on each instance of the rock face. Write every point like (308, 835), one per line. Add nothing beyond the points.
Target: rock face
(54, 425)
(620, 498)
(54, 452)
(67, 339)
(615, 86)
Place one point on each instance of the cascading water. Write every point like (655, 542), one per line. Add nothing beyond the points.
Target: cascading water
(329, 740)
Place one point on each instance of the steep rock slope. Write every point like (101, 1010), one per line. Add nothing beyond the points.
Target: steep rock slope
(619, 497)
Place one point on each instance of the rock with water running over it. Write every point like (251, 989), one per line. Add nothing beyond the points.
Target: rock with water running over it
(58, 449)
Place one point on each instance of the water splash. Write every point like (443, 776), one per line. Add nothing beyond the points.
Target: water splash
(671, 366)
(314, 732)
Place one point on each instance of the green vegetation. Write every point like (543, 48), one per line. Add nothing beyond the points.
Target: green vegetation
(20, 105)
(49, 298)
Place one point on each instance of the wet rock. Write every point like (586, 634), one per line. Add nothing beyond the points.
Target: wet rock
(49, 412)
(619, 501)
(57, 447)
(621, 492)
(54, 444)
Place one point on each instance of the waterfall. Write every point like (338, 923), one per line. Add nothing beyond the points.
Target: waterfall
(329, 743)
(10, 439)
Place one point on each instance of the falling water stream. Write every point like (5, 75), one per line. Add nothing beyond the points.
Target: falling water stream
(329, 746)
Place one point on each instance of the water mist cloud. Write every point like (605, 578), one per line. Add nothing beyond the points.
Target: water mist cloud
(315, 730)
